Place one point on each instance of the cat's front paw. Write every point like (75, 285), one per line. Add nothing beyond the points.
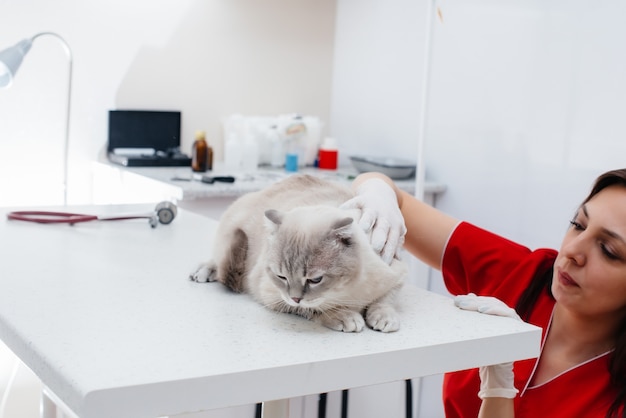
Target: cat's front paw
(346, 321)
(204, 273)
(383, 318)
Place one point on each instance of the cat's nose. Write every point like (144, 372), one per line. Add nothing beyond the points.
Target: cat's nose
(295, 299)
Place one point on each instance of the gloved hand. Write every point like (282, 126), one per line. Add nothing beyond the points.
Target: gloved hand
(485, 304)
(496, 380)
(380, 216)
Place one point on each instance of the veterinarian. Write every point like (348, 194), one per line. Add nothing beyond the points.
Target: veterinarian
(577, 295)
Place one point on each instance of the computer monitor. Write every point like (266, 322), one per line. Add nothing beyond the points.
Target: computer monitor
(158, 130)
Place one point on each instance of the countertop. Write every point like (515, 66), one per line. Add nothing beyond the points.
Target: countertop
(244, 182)
(105, 315)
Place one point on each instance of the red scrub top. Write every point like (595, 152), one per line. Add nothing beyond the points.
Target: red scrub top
(477, 261)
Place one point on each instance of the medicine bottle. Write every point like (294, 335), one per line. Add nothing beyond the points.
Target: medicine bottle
(328, 155)
(201, 154)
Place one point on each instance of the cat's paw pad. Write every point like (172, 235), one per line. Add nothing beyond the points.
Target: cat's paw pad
(346, 321)
(204, 273)
(383, 319)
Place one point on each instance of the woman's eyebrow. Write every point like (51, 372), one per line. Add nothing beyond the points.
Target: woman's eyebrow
(606, 231)
(614, 235)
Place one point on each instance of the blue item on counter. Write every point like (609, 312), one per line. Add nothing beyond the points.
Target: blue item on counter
(291, 162)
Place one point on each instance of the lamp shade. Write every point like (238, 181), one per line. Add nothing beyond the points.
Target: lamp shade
(10, 60)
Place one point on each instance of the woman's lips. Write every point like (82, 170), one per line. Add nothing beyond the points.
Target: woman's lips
(566, 279)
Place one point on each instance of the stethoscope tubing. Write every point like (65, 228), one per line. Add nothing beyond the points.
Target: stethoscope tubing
(46, 217)
(49, 217)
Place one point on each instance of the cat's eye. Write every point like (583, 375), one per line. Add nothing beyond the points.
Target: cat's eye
(315, 280)
(281, 277)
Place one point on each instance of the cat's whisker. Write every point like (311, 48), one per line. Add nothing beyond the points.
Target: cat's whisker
(278, 306)
(342, 304)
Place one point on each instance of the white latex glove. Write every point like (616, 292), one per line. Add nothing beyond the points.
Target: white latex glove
(380, 217)
(496, 380)
(485, 304)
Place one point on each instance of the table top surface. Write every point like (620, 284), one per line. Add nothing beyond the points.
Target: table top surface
(105, 315)
(246, 182)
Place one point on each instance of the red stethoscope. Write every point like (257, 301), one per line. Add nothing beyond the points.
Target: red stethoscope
(164, 213)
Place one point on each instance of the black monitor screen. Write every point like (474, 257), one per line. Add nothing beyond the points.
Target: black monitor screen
(159, 130)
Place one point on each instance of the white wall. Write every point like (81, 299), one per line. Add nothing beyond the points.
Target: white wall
(377, 76)
(207, 58)
(526, 105)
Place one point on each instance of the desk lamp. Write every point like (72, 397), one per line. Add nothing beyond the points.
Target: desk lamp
(10, 60)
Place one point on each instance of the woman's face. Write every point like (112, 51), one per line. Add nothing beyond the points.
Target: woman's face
(590, 270)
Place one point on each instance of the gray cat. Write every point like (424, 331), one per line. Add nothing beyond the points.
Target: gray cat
(294, 250)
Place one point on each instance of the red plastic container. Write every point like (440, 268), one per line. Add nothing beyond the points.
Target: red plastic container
(327, 159)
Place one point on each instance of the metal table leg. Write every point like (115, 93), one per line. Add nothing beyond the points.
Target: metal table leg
(47, 407)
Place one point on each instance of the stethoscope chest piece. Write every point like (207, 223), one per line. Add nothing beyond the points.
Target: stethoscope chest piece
(165, 212)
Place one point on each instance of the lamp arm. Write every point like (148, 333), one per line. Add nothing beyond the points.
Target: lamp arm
(66, 147)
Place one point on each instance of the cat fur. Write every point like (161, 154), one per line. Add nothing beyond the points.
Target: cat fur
(275, 244)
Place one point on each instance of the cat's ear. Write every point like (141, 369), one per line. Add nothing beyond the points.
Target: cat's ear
(342, 230)
(275, 216)
(342, 223)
